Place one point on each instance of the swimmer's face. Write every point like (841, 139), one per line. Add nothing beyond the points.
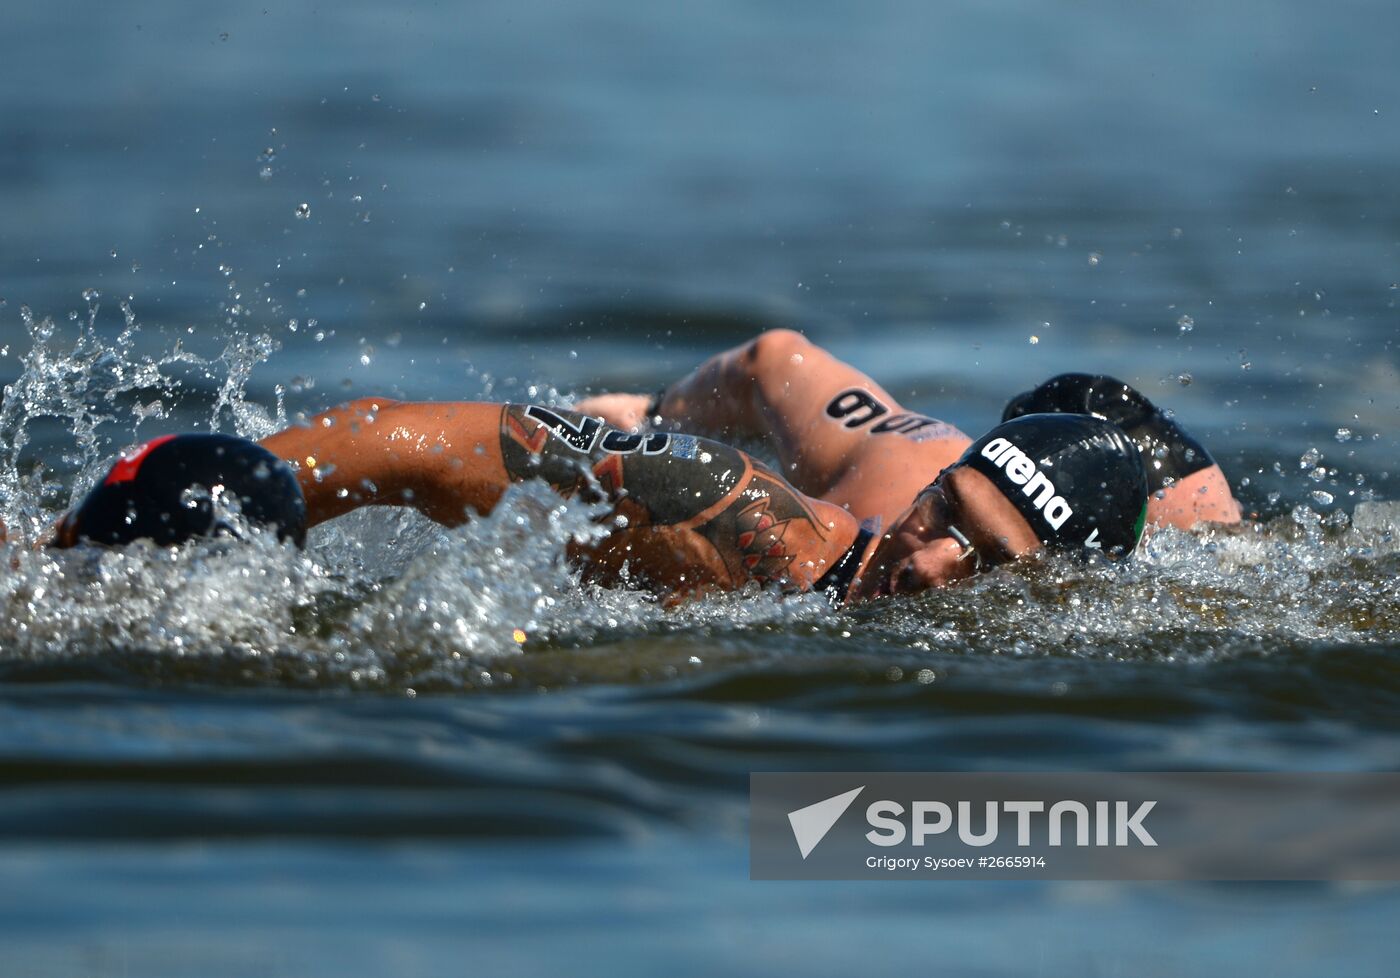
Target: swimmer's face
(928, 545)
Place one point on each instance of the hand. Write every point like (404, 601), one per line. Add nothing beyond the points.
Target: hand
(625, 411)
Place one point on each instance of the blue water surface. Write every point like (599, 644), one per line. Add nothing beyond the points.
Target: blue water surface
(498, 199)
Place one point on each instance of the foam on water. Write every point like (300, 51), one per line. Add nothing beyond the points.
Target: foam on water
(385, 599)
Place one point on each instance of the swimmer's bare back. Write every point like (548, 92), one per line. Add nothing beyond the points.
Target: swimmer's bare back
(687, 514)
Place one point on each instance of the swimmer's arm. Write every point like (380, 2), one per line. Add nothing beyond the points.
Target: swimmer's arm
(379, 451)
(709, 515)
(780, 388)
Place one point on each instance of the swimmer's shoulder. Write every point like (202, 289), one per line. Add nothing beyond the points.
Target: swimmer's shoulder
(886, 474)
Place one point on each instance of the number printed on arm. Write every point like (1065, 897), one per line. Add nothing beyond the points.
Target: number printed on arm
(856, 408)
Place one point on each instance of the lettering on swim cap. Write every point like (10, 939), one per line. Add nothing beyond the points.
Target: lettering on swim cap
(993, 449)
(1020, 469)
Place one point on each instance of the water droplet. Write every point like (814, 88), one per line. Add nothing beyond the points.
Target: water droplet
(1343, 434)
(91, 295)
(1309, 458)
(1186, 324)
(1184, 379)
(1322, 497)
(1034, 339)
(303, 211)
(1094, 258)
(422, 306)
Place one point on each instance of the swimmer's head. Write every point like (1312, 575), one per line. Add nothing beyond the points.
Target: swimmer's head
(1076, 479)
(1168, 453)
(1097, 394)
(1054, 482)
(162, 492)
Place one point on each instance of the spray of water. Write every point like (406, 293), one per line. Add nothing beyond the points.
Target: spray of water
(385, 599)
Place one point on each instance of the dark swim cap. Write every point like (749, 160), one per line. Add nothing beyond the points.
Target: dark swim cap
(144, 495)
(1168, 452)
(1076, 479)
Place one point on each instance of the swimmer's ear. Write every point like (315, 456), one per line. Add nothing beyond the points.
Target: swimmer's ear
(63, 535)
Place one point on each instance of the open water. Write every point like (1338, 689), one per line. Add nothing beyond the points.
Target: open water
(246, 761)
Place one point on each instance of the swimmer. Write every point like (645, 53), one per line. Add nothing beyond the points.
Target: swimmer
(686, 515)
(839, 436)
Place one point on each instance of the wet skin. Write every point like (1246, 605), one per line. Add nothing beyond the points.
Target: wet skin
(920, 551)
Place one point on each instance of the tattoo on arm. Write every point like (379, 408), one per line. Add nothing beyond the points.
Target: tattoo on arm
(755, 523)
(674, 478)
(760, 533)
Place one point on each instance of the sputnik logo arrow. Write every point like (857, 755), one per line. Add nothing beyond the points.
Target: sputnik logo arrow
(811, 824)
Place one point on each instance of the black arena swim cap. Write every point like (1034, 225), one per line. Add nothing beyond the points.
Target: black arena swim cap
(1076, 479)
(1168, 452)
(145, 494)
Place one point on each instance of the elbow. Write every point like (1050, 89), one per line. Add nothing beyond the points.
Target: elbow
(362, 406)
(773, 353)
